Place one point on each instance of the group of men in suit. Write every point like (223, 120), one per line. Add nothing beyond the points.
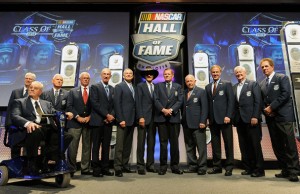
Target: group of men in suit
(93, 110)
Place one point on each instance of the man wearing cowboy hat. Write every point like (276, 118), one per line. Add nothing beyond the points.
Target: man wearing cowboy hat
(145, 112)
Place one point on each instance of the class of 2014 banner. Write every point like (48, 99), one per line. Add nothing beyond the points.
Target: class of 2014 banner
(159, 36)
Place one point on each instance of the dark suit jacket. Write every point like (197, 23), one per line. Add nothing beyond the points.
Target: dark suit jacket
(76, 105)
(278, 96)
(195, 109)
(124, 104)
(61, 103)
(145, 103)
(15, 94)
(101, 105)
(162, 100)
(249, 104)
(22, 112)
(222, 104)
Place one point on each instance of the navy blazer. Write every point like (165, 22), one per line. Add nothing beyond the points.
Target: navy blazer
(195, 109)
(61, 103)
(15, 94)
(162, 100)
(101, 105)
(76, 105)
(249, 104)
(124, 104)
(145, 102)
(278, 96)
(22, 112)
(222, 104)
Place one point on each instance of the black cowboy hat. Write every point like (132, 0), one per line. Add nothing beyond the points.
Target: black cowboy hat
(149, 71)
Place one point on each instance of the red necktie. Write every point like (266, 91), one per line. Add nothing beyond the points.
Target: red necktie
(85, 96)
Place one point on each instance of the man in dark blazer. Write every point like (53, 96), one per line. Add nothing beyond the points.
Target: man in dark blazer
(145, 115)
(194, 116)
(279, 112)
(79, 104)
(57, 95)
(221, 105)
(247, 117)
(102, 120)
(27, 113)
(124, 105)
(16, 94)
(168, 101)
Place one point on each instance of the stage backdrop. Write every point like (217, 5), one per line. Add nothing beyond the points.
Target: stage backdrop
(32, 42)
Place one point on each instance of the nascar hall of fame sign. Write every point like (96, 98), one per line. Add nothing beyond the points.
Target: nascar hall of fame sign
(60, 30)
(159, 36)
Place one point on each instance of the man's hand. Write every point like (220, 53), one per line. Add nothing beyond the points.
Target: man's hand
(123, 124)
(254, 121)
(226, 120)
(167, 112)
(109, 118)
(142, 122)
(32, 127)
(202, 125)
(69, 115)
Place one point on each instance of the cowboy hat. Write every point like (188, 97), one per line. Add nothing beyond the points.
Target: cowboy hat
(149, 71)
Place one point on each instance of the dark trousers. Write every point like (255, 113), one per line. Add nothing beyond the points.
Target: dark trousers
(226, 130)
(123, 147)
(149, 132)
(101, 136)
(169, 132)
(250, 147)
(284, 145)
(195, 139)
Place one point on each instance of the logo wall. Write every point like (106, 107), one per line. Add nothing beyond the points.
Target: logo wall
(158, 39)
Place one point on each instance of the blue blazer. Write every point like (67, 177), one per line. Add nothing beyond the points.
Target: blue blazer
(15, 94)
(162, 100)
(278, 96)
(61, 103)
(222, 104)
(195, 109)
(101, 105)
(145, 103)
(76, 105)
(124, 104)
(249, 104)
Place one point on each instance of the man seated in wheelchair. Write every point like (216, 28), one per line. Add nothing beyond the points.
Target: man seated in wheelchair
(27, 117)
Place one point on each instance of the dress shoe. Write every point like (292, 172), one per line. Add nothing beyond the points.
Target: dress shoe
(151, 170)
(86, 173)
(97, 174)
(201, 172)
(246, 172)
(141, 172)
(162, 172)
(282, 174)
(258, 174)
(128, 170)
(108, 173)
(118, 173)
(293, 178)
(215, 171)
(177, 171)
(190, 171)
(228, 173)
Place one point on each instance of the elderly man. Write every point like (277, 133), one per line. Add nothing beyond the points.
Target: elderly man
(279, 112)
(15, 94)
(27, 113)
(247, 119)
(194, 115)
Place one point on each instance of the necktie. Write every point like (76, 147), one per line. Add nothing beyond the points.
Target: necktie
(55, 96)
(189, 94)
(151, 90)
(85, 96)
(168, 89)
(38, 109)
(267, 82)
(132, 90)
(215, 88)
(106, 90)
(26, 93)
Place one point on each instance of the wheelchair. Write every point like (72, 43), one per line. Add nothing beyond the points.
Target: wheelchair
(17, 167)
